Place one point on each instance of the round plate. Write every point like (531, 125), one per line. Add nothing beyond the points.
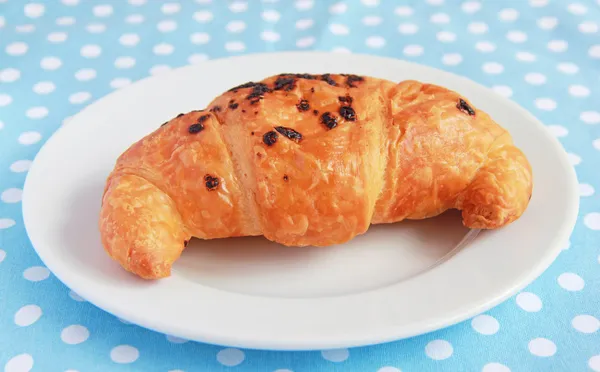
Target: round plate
(393, 282)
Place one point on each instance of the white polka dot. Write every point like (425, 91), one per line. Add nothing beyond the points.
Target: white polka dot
(388, 369)
(76, 297)
(546, 104)
(558, 130)
(492, 68)
(199, 38)
(79, 97)
(176, 340)
(270, 36)
(305, 42)
(27, 315)
(577, 8)
(371, 20)
(567, 68)
(570, 281)
(2, 255)
(542, 347)
(57, 37)
(170, 8)
(485, 46)
(203, 16)
(90, 51)
(50, 63)
(338, 8)
(404, 11)
(529, 302)
(585, 323)
(235, 46)
(574, 159)
(70, 2)
(65, 21)
(451, 59)
(20, 166)
(159, 69)
(36, 273)
(408, 28)
(557, 45)
(103, 10)
(477, 27)
(137, 2)
(516, 36)
(439, 350)
(470, 6)
(124, 62)
(590, 117)
(197, 58)
(588, 27)
(579, 90)
(12, 195)
(339, 29)
(29, 138)
(124, 354)
(74, 334)
(163, 49)
(16, 49)
(5, 223)
(304, 4)
(485, 324)
(594, 363)
(238, 6)
(135, 19)
(495, 367)
(596, 143)
(9, 75)
(538, 3)
(19, 363)
(594, 51)
(535, 78)
(230, 357)
(25, 28)
(503, 90)
(304, 24)
(434, 2)
(370, 2)
(375, 42)
(342, 50)
(335, 355)
(586, 189)
(271, 15)
(119, 83)
(34, 10)
(129, 39)
(439, 18)
(95, 28)
(446, 36)
(38, 112)
(239, 26)
(413, 50)
(85, 74)
(547, 23)
(166, 26)
(592, 220)
(508, 15)
(5, 100)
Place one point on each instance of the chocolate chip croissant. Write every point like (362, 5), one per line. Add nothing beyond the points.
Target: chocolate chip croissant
(309, 160)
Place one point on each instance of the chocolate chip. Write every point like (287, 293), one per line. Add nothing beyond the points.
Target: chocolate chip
(211, 182)
(196, 128)
(251, 133)
(346, 99)
(327, 78)
(303, 105)
(255, 101)
(284, 83)
(249, 84)
(312, 90)
(215, 109)
(328, 120)
(285, 177)
(258, 91)
(464, 107)
(270, 138)
(316, 112)
(203, 118)
(351, 79)
(290, 133)
(233, 105)
(348, 113)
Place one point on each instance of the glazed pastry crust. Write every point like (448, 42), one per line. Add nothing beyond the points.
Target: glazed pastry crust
(309, 160)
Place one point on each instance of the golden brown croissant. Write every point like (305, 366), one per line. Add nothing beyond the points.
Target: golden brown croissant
(309, 160)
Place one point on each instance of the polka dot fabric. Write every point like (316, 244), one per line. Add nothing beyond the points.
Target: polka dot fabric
(57, 56)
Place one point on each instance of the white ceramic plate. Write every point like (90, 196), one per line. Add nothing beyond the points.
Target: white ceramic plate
(394, 282)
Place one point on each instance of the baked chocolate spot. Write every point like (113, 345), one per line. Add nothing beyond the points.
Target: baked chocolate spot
(270, 138)
(251, 133)
(258, 91)
(329, 120)
(348, 113)
(312, 90)
(211, 182)
(464, 107)
(303, 105)
(233, 105)
(316, 112)
(203, 118)
(196, 128)
(290, 133)
(215, 109)
(327, 78)
(346, 99)
(351, 79)
(284, 83)
(285, 177)
(249, 84)
(244, 111)
(255, 101)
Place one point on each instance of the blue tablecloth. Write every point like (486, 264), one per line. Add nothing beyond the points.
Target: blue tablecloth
(56, 56)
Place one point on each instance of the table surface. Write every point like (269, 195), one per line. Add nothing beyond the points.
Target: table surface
(58, 56)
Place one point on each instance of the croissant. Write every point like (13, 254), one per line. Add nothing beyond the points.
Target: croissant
(309, 160)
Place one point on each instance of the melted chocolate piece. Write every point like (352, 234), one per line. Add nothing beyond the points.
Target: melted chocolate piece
(351, 79)
(233, 105)
(316, 112)
(346, 99)
(348, 113)
(270, 138)
(327, 78)
(290, 133)
(195, 128)
(203, 118)
(284, 83)
(211, 182)
(328, 120)
(215, 109)
(303, 105)
(249, 84)
(258, 91)
(464, 107)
